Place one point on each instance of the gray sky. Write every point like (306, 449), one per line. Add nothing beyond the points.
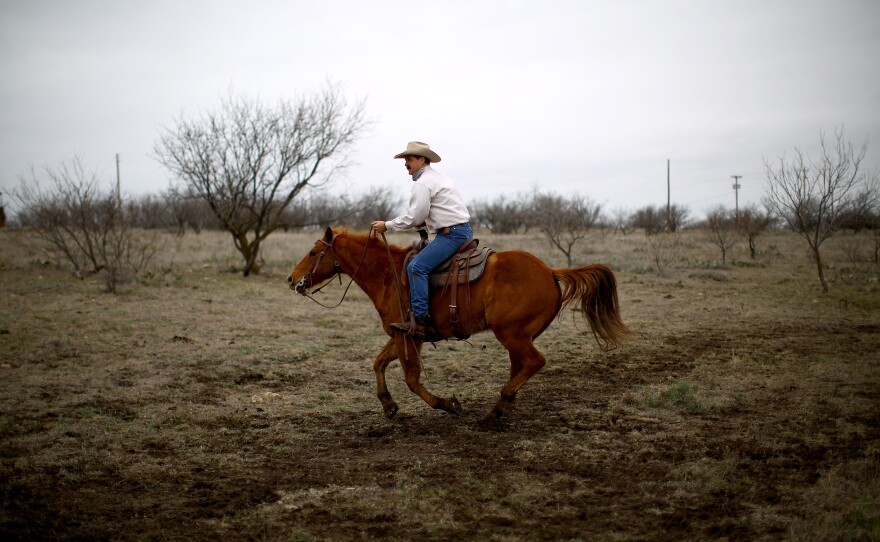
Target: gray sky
(572, 96)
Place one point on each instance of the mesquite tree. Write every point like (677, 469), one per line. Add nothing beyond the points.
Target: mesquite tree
(249, 161)
(813, 195)
(77, 219)
(752, 222)
(565, 221)
(722, 229)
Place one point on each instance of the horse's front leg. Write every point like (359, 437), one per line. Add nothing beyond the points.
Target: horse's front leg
(409, 352)
(386, 356)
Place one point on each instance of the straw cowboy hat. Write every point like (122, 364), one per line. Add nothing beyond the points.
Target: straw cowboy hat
(417, 148)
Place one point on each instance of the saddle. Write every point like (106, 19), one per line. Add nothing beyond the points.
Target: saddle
(465, 266)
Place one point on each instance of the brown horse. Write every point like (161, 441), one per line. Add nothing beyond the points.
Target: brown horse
(517, 298)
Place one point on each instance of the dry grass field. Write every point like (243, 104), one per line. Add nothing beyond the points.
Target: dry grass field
(198, 405)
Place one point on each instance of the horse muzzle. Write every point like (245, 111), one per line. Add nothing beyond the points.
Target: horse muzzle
(299, 287)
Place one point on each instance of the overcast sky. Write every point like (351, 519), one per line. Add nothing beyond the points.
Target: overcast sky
(571, 96)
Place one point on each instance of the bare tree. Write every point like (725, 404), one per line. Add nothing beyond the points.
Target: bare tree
(872, 214)
(375, 202)
(665, 249)
(189, 210)
(621, 220)
(649, 218)
(856, 217)
(679, 216)
(752, 222)
(501, 215)
(814, 195)
(874, 218)
(564, 221)
(75, 220)
(722, 229)
(63, 217)
(249, 162)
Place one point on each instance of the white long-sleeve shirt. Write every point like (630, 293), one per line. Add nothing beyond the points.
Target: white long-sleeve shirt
(434, 201)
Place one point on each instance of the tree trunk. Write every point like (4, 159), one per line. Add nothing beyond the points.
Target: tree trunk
(821, 271)
(251, 265)
(249, 250)
(752, 248)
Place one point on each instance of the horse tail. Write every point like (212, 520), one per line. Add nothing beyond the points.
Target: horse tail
(596, 288)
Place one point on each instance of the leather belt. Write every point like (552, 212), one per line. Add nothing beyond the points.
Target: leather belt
(447, 229)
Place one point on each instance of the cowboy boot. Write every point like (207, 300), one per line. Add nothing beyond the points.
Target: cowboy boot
(425, 326)
(420, 328)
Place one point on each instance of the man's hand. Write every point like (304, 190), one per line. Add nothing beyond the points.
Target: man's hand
(379, 226)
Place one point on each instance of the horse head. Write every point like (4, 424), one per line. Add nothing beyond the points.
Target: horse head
(317, 266)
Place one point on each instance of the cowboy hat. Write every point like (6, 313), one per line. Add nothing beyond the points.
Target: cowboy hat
(417, 148)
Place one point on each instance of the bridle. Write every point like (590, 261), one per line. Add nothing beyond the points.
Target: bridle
(306, 282)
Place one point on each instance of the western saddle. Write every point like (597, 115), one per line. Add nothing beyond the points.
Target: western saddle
(464, 267)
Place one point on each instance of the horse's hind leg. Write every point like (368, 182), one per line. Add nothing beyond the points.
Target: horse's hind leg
(525, 361)
(410, 359)
(386, 356)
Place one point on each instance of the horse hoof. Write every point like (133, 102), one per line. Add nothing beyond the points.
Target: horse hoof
(390, 410)
(493, 421)
(452, 406)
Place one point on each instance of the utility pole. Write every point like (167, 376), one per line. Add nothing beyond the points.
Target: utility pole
(736, 187)
(118, 192)
(668, 200)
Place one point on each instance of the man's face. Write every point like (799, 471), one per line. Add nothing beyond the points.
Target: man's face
(413, 163)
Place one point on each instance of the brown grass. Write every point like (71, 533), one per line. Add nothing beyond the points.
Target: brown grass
(200, 405)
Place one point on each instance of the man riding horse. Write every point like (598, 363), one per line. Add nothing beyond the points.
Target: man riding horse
(436, 203)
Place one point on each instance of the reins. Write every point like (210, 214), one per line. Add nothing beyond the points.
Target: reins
(396, 279)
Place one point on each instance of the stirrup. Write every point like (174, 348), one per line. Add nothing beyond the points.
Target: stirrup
(403, 328)
(408, 326)
(423, 330)
(406, 330)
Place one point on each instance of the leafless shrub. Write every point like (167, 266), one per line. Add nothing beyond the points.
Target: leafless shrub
(852, 248)
(874, 220)
(751, 223)
(375, 204)
(664, 249)
(189, 211)
(90, 228)
(813, 196)
(722, 229)
(501, 215)
(621, 219)
(565, 221)
(655, 219)
(650, 219)
(679, 217)
(321, 209)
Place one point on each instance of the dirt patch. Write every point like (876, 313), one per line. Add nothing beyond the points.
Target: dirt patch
(744, 408)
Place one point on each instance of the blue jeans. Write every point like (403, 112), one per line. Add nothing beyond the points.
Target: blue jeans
(438, 251)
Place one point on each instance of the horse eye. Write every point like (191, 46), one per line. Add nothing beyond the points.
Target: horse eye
(312, 253)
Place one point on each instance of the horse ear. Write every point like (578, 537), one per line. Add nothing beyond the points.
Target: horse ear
(328, 235)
